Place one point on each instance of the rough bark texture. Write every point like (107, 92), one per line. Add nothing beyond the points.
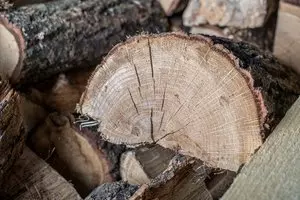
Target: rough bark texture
(279, 85)
(12, 135)
(32, 178)
(113, 191)
(273, 173)
(73, 33)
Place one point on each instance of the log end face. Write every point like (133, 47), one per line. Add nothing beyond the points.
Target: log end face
(11, 50)
(181, 92)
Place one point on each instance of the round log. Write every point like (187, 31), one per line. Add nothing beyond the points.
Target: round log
(189, 94)
(46, 39)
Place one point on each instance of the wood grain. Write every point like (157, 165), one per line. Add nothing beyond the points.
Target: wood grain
(273, 173)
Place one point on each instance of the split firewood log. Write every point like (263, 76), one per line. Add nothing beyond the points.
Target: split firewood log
(76, 153)
(180, 181)
(141, 165)
(241, 13)
(252, 21)
(47, 39)
(12, 134)
(33, 178)
(190, 93)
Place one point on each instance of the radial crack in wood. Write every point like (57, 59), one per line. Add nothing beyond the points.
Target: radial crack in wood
(198, 98)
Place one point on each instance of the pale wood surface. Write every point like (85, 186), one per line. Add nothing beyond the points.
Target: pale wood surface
(274, 171)
(238, 13)
(287, 40)
(181, 92)
(32, 178)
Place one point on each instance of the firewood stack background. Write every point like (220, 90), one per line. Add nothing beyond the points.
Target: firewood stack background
(149, 99)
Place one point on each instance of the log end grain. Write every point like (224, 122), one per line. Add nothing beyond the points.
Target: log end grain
(180, 92)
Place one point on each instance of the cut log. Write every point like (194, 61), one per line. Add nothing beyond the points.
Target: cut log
(287, 40)
(241, 13)
(72, 153)
(145, 163)
(188, 94)
(252, 21)
(33, 178)
(47, 39)
(179, 182)
(117, 190)
(12, 134)
(273, 172)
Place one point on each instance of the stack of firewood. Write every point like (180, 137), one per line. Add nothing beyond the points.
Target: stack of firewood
(98, 101)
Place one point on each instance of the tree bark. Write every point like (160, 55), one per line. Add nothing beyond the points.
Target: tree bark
(278, 84)
(117, 190)
(58, 36)
(12, 134)
(33, 178)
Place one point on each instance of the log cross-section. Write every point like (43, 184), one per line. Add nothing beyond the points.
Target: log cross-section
(181, 92)
(188, 94)
(273, 173)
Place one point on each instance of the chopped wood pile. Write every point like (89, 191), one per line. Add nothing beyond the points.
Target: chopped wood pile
(99, 99)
